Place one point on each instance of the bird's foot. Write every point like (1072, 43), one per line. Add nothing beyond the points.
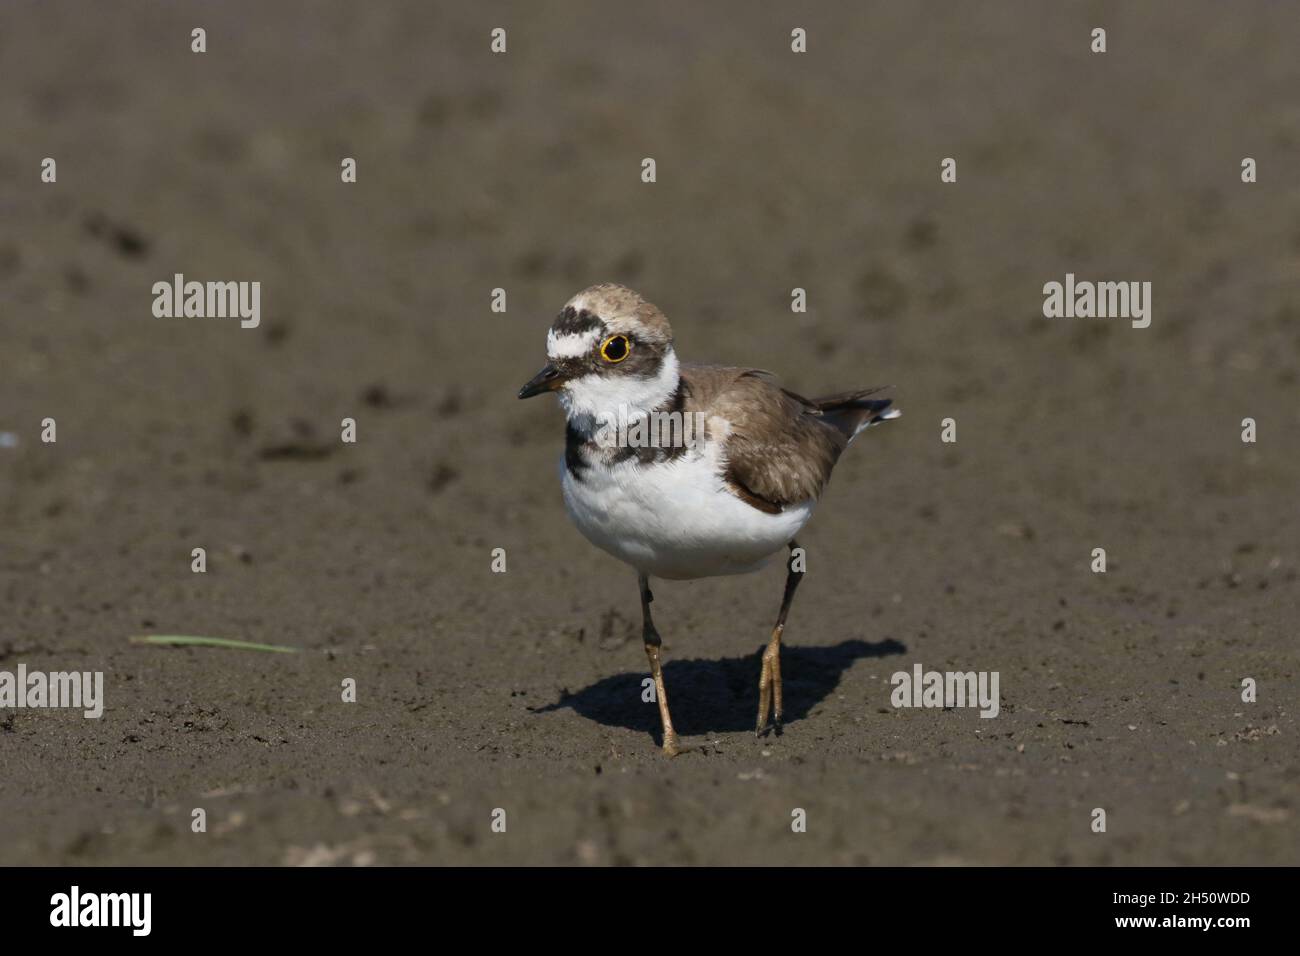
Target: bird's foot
(769, 696)
(672, 746)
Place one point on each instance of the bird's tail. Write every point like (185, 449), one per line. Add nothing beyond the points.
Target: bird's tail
(851, 412)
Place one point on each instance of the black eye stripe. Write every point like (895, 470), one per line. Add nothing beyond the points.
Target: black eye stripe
(573, 322)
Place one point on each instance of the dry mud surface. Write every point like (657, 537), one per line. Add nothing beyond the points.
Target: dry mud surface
(521, 690)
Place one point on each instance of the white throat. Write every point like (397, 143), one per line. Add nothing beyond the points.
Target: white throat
(593, 401)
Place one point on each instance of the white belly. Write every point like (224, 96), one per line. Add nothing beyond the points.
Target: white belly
(675, 519)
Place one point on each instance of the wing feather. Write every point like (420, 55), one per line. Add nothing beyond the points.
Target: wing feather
(779, 450)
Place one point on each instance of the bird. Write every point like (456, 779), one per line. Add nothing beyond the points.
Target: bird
(688, 471)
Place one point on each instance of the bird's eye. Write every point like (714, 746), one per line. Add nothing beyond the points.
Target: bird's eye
(615, 348)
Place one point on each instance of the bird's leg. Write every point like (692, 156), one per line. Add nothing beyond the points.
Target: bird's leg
(769, 680)
(652, 644)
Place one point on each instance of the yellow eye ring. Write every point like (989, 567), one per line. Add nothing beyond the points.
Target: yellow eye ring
(615, 348)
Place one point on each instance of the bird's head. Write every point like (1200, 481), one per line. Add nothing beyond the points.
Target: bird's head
(607, 348)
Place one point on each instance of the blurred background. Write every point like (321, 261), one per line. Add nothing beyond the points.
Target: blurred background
(521, 171)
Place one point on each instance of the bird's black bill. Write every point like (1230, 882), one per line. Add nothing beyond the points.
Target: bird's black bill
(547, 380)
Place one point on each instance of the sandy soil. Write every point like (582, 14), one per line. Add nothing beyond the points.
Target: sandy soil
(521, 690)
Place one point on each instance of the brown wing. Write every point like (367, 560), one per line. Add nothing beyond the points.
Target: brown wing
(779, 450)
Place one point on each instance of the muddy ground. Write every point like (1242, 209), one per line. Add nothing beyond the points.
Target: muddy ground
(521, 691)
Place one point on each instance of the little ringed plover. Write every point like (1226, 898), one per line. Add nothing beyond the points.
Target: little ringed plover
(693, 506)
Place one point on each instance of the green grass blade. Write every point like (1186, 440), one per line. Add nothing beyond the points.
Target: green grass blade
(173, 640)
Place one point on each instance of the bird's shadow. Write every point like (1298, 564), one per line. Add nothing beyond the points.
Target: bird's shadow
(721, 695)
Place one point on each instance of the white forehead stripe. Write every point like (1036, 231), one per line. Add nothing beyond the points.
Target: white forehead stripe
(571, 345)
